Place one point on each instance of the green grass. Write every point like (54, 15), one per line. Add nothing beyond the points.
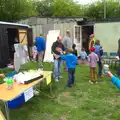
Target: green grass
(82, 102)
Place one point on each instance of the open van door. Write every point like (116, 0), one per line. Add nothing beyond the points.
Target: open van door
(4, 49)
(78, 38)
(26, 37)
(30, 41)
(22, 34)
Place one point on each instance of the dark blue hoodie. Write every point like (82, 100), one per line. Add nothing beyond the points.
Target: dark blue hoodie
(40, 44)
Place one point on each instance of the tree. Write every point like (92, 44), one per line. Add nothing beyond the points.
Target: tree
(96, 10)
(57, 8)
(66, 8)
(44, 8)
(11, 10)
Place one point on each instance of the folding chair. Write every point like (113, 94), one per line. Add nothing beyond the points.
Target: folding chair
(113, 58)
(105, 57)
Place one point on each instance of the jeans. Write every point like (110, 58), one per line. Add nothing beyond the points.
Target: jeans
(57, 68)
(100, 67)
(40, 56)
(71, 76)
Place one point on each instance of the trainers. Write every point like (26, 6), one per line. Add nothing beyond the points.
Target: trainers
(69, 86)
(56, 80)
(36, 93)
(96, 82)
(90, 82)
(60, 77)
(100, 76)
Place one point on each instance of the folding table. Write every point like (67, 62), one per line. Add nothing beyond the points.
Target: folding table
(18, 89)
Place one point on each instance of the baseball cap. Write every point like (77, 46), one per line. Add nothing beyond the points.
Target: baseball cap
(92, 49)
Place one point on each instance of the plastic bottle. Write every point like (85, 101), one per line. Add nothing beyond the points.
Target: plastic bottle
(9, 83)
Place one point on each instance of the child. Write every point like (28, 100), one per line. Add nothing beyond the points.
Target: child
(71, 61)
(34, 53)
(83, 56)
(92, 59)
(74, 50)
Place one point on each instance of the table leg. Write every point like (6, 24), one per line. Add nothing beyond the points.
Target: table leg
(7, 110)
(50, 89)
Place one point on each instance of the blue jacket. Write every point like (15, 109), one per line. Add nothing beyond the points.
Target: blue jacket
(40, 44)
(115, 81)
(71, 60)
(98, 50)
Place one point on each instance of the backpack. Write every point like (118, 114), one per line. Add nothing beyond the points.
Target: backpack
(101, 51)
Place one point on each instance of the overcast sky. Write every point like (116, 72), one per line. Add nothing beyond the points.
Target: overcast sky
(86, 1)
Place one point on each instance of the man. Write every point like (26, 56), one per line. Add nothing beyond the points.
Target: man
(99, 52)
(41, 45)
(57, 58)
(67, 42)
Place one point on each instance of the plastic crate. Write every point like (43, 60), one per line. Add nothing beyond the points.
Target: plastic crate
(16, 102)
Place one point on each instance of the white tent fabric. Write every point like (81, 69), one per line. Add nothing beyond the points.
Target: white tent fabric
(20, 55)
(51, 38)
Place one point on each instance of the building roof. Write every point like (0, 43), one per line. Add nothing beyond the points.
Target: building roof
(16, 24)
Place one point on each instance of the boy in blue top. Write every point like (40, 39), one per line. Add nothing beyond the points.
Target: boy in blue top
(71, 61)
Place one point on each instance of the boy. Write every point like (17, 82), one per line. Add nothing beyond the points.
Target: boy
(92, 59)
(71, 61)
(99, 52)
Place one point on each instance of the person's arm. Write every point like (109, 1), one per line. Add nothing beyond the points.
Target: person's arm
(35, 42)
(76, 53)
(53, 48)
(97, 58)
(63, 48)
(89, 58)
(63, 57)
(75, 60)
(44, 44)
(64, 41)
(2, 75)
(85, 55)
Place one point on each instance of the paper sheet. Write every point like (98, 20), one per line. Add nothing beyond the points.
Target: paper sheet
(1, 116)
(28, 94)
(48, 79)
(51, 38)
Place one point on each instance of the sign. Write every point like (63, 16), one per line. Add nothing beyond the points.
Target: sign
(28, 94)
(2, 116)
(48, 79)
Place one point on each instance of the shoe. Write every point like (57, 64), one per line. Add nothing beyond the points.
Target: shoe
(90, 82)
(36, 93)
(96, 82)
(56, 80)
(60, 77)
(69, 86)
(100, 76)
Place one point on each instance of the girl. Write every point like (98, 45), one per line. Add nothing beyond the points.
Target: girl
(83, 56)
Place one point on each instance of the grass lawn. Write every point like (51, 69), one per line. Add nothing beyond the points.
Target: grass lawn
(82, 102)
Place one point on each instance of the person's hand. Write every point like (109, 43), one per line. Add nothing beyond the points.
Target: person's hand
(109, 74)
(58, 49)
(2, 75)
